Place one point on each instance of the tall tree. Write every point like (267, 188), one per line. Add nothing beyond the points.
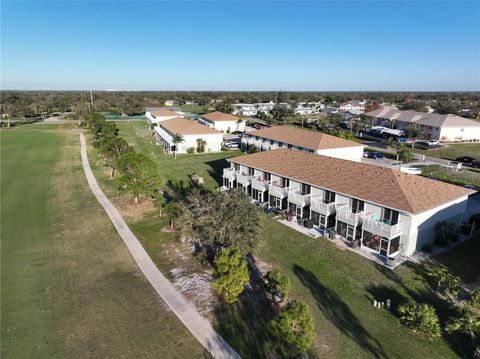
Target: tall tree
(231, 274)
(111, 151)
(277, 286)
(218, 220)
(201, 143)
(138, 174)
(293, 330)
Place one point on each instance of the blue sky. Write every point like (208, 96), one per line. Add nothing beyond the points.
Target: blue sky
(418, 46)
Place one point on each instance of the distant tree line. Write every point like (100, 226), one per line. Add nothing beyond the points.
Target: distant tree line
(21, 104)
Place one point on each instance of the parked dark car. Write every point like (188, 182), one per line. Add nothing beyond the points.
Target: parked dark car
(466, 160)
(426, 145)
(475, 164)
(374, 155)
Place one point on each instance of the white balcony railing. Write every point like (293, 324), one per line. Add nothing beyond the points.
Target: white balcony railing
(345, 214)
(259, 184)
(381, 228)
(230, 173)
(244, 179)
(280, 192)
(298, 198)
(318, 205)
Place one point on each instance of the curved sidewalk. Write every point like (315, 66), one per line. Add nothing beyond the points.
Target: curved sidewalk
(195, 323)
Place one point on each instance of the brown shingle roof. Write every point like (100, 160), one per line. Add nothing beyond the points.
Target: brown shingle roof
(183, 126)
(384, 186)
(163, 112)
(219, 116)
(304, 138)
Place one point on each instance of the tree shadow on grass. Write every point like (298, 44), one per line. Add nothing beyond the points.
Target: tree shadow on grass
(458, 343)
(338, 313)
(216, 169)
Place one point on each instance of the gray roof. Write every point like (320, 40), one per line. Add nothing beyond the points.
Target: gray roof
(422, 118)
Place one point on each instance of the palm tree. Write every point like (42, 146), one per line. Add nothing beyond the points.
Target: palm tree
(466, 323)
(201, 145)
(178, 138)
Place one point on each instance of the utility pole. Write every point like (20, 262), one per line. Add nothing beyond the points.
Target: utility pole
(91, 98)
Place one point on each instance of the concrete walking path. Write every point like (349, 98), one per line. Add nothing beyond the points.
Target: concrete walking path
(188, 315)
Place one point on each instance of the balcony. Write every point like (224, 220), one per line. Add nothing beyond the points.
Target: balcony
(383, 229)
(298, 198)
(265, 146)
(230, 173)
(243, 179)
(318, 205)
(259, 184)
(345, 214)
(277, 191)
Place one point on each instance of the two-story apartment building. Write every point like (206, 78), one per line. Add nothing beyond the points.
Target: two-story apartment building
(303, 140)
(190, 131)
(438, 127)
(160, 114)
(384, 210)
(222, 122)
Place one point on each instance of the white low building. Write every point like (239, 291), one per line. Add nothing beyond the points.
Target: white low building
(159, 115)
(222, 122)
(244, 109)
(383, 210)
(190, 132)
(295, 138)
(445, 128)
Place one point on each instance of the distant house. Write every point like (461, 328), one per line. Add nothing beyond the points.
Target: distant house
(191, 131)
(304, 108)
(438, 127)
(159, 115)
(353, 105)
(170, 103)
(299, 139)
(222, 122)
(244, 109)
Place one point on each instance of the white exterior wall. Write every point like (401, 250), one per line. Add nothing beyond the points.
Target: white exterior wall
(214, 140)
(231, 126)
(456, 133)
(344, 153)
(158, 119)
(420, 226)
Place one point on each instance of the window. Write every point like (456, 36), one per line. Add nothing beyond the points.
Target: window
(357, 205)
(267, 176)
(280, 144)
(236, 166)
(271, 142)
(306, 188)
(394, 245)
(290, 147)
(251, 171)
(284, 182)
(328, 197)
(390, 216)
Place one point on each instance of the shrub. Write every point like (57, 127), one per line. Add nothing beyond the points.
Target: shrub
(252, 149)
(475, 298)
(464, 322)
(277, 286)
(476, 353)
(231, 274)
(447, 283)
(191, 150)
(428, 248)
(445, 232)
(293, 330)
(421, 318)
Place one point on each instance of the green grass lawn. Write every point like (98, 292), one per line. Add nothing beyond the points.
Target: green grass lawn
(70, 289)
(453, 151)
(464, 177)
(209, 166)
(463, 260)
(339, 286)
